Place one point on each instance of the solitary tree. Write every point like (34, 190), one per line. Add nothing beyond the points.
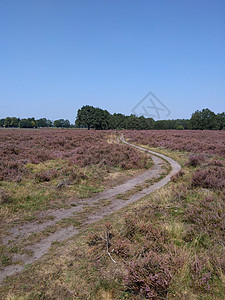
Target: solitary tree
(85, 116)
(90, 116)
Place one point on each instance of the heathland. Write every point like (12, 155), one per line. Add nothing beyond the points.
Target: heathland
(167, 245)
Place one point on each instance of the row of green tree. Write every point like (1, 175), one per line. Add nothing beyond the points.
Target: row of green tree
(97, 118)
(13, 122)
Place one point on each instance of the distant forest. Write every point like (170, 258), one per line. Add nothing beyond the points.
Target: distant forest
(96, 118)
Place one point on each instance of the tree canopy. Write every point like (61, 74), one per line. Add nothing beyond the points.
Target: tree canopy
(91, 117)
(206, 119)
(13, 122)
(99, 119)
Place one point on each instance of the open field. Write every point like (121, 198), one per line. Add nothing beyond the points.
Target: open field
(167, 245)
(40, 167)
(49, 182)
(194, 141)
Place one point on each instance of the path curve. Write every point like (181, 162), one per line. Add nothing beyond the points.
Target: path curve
(175, 166)
(17, 234)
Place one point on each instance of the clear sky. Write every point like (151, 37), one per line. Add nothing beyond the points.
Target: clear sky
(58, 55)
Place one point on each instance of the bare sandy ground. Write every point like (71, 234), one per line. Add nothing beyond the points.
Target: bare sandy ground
(18, 235)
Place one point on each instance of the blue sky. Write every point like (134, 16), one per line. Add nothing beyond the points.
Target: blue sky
(58, 55)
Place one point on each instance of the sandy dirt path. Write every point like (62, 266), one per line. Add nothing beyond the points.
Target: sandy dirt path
(19, 235)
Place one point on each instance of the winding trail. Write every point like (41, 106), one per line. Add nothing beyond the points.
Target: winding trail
(19, 235)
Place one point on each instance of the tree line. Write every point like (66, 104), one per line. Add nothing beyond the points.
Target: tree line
(13, 122)
(99, 119)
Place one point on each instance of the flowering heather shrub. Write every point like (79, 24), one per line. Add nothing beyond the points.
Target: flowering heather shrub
(4, 197)
(80, 147)
(201, 274)
(216, 162)
(149, 276)
(180, 192)
(121, 247)
(207, 215)
(47, 175)
(94, 239)
(195, 160)
(175, 177)
(197, 141)
(154, 238)
(103, 240)
(209, 178)
(130, 226)
(76, 175)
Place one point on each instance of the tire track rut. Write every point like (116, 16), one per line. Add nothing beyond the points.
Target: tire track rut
(18, 234)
